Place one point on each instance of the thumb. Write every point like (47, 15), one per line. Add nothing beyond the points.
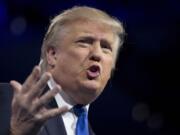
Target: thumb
(16, 86)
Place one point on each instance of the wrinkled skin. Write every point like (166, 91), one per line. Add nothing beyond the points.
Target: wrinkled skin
(28, 105)
(83, 44)
(86, 43)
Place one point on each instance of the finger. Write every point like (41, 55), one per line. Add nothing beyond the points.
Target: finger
(39, 87)
(16, 86)
(46, 98)
(53, 112)
(32, 79)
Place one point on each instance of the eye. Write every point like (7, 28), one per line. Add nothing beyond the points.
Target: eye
(106, 46)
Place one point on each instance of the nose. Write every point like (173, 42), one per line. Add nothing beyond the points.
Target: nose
(96, 52)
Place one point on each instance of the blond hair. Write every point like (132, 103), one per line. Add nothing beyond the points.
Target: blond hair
(74, 14)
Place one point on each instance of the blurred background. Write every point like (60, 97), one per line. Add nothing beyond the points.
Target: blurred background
(143, 96)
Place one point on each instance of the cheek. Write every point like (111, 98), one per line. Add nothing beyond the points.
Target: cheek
(71, 62)
(64, 70)
(65, 64)
(107, 70)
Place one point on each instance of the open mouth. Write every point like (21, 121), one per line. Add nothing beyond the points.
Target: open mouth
(93, 72)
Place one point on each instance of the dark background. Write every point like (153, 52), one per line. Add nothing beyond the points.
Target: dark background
(143, 96)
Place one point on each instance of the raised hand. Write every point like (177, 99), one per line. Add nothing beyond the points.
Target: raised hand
(29, 112)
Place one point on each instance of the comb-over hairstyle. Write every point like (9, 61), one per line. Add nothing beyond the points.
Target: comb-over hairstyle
(74, 14)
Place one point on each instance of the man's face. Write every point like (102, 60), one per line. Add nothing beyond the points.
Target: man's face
(84, 60)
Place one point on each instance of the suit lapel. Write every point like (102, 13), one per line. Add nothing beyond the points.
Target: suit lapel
(91, 132)
(55, 125)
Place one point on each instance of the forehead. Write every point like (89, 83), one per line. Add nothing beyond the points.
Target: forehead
(97, 30)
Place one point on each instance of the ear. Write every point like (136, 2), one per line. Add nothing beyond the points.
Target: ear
(51, 55)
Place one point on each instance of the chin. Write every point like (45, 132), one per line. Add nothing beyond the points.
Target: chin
(92, 86)
(92, 90)
(86, 99)
(88, 91)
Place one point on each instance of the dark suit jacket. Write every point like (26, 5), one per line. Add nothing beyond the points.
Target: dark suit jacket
(53, 126)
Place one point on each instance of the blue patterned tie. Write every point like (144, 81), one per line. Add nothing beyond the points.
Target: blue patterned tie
(82, 122)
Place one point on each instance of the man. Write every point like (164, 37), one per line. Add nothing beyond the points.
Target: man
(79, 52)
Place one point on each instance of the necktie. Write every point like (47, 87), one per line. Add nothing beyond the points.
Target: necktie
(82, 122)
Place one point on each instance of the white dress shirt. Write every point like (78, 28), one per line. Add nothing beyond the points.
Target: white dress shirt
(69, 118)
